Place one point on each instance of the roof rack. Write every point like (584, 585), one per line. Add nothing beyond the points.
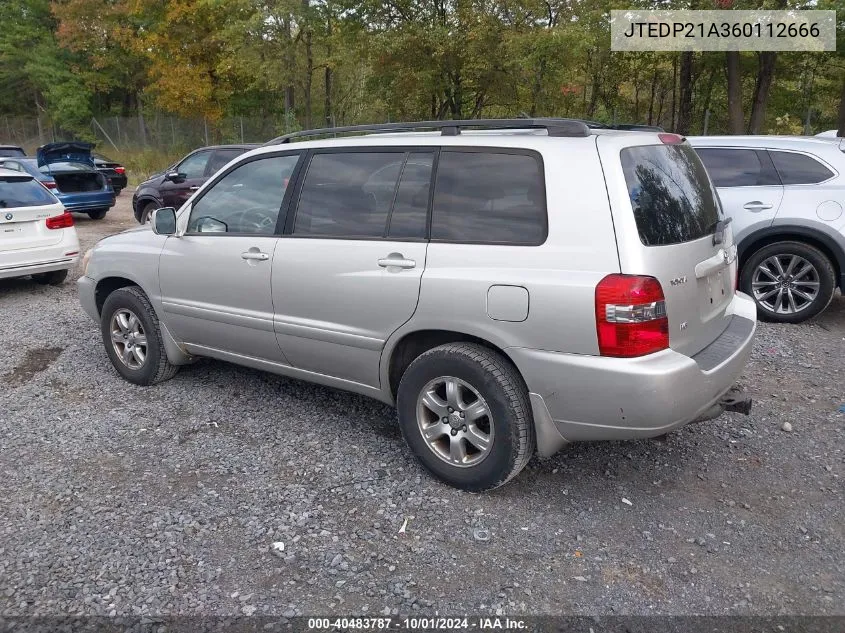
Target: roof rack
(554, 127)
(631, 127)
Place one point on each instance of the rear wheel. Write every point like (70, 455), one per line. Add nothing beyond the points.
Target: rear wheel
(117, 190)
(53, 278)
(464, 412)
(132, 337)
(99, 214)
(790, 281)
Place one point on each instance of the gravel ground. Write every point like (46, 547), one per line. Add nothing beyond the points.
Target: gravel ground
(168, 500)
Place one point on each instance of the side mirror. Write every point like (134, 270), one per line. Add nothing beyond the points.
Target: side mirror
(164, 221)
(175, 176)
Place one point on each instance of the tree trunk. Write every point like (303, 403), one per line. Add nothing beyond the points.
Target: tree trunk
(674, 124)
(537, 86)
(685, 100)
(765, 74)
(328, 107)
(736, 120)
(651, 99)
(840, 121)
(309, 77)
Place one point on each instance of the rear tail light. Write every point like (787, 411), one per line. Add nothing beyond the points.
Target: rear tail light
(63, 221)
(631, 316)
(120, 170)
(670, 139)
(50, 184)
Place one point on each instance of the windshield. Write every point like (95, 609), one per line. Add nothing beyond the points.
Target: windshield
(670, 193)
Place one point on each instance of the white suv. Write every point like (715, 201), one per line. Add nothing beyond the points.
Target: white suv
(507, 284)
(37, 236)
(786, 196)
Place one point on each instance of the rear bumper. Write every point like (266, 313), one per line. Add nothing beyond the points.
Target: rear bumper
(583, 398)
(87, 202)
(42, 259)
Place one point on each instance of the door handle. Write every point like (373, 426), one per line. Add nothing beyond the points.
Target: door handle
(255, 255)
(194, 188)
(396, 260)
(756, 205)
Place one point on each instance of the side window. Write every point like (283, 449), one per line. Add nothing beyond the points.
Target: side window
(194, 165)
(11, 164)
(410, 210)
(348, 194)
(489, 197)
(220, 158)
(247, 200)
(799, 169)
(737, 167)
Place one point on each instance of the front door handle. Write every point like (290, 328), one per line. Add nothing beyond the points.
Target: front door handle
(263, 257)
(194, 188)
(756, 205)
(396, 260)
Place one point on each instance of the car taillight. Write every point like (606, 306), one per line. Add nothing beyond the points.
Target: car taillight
(50, 184)
(670, 139)
(631, 316)
(120, 170)
(63, 221)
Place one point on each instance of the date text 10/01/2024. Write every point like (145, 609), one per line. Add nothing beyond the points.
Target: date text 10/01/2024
(723, 30)
(417, 623)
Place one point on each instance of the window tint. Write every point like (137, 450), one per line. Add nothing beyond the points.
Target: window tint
(410, 211)
(489, 197)
(737, 167)
(16, 191)
(194, 165)
(246, 200)
(348, 194)
(221, 157)
(799, 169)
(671, 196)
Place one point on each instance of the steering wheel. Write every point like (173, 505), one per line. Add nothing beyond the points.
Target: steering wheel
(256, 218)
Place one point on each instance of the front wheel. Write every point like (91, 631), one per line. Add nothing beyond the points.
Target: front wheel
(99, 214)
(790, 281)
(147, 212)
(464, 412)
(132, 337)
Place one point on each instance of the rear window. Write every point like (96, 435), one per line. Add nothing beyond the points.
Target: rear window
(11, 151)
(23, 192)
(670, 193)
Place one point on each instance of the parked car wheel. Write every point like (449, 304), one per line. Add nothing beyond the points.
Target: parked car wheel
(99, 214)
(132, 337)
(53, 278)
(117, 191)
(464, 411)
(147, 212)
(790, 281)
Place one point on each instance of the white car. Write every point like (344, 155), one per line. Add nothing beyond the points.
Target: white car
(37, 236)
(828, 134)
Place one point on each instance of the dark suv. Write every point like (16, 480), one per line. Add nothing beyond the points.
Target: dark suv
(173, 186)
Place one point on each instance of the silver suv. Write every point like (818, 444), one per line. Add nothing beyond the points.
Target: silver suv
(509, 285)
(785, 195)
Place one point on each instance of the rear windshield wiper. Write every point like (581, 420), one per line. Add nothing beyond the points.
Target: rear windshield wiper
(720, 226)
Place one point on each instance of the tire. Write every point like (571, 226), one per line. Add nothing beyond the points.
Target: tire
(53, 278)
(155, 367)
(820, 278)
(146, 212)
(99, 214)
(117, 191)
(509, 427)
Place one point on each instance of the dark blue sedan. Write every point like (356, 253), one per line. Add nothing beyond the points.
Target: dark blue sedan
(68, 170)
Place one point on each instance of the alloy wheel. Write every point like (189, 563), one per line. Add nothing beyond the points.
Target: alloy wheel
(785, 284)
(128, 338)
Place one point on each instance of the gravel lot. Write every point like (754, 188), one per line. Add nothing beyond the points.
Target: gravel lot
(167, 500)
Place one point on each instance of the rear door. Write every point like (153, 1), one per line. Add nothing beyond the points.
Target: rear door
(748, 186)
(665, 213)
(24, 207)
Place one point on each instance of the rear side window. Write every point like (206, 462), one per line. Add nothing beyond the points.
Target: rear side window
(221, 157)
(410, 210)
(23, 192)
(489, 197)
(348, 194)
(738, 167)
(799, 169)
(670, 193)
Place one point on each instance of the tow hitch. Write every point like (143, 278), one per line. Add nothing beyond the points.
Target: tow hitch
(734, 400)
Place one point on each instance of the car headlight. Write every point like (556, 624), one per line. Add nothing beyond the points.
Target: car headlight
(85, 259)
